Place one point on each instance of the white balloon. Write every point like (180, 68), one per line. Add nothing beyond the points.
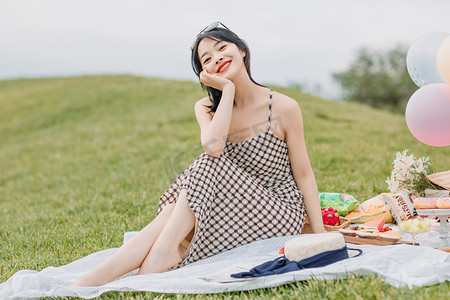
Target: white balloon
(421, 58)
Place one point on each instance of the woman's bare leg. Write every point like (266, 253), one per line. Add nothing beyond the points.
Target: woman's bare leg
(164, 253)
(130, 256)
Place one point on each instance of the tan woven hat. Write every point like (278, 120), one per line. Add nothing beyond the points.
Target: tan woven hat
(441, 179)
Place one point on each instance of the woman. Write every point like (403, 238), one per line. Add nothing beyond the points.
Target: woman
(253, 181)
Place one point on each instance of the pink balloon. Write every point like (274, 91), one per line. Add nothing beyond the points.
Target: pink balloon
(428, 114)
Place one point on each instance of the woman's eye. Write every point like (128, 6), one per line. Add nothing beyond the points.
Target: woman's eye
(206, 60)
(222, 47)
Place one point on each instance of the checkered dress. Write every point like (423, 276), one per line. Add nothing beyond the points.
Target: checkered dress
(246, 194)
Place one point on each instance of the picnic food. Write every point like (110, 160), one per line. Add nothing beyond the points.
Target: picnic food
(391, 233)
(435, 224)
(342, 203)
(308, 245)
(330, 216)
(432, 203)
(416, 225)
(425, 203)
(372, 226)
(372, 209)
(343, 223)
(401, 204)
(387, 234)
(375, 225)
(443, 203)
(389, 237)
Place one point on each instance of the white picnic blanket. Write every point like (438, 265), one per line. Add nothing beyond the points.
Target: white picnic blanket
(398, 265)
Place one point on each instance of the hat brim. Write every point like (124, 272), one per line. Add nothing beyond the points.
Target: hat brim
(353, 252)
(282, 265)
(441, 179)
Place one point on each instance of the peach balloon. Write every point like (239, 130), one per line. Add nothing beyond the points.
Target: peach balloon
(443, 60)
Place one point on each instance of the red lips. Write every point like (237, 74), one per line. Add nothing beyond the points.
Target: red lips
(223, 66)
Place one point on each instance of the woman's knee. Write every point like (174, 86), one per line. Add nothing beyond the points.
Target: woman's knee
(182, 203)
(169, 207)
(165, 212)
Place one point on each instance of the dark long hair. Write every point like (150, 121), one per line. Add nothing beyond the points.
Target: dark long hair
(219, 34)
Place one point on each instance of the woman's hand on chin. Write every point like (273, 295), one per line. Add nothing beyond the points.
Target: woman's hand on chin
(215, 81)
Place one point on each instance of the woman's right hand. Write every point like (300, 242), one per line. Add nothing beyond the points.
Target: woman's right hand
(215, 81)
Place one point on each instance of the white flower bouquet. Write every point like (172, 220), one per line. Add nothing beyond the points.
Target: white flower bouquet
(409, 174)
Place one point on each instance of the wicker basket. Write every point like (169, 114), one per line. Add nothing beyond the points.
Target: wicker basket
(343, 221)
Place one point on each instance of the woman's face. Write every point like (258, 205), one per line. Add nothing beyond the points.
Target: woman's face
(220, 57)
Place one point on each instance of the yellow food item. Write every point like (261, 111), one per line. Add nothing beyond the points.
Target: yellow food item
(416, 225)
(391, 233)
(372, 209)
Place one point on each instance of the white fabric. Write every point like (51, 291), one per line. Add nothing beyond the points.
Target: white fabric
(399, 265)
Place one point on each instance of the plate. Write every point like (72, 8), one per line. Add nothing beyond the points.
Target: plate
(388, 238)
(348, 232)
(366, 235)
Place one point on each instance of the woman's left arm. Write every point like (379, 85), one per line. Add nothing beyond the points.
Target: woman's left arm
(301, 166)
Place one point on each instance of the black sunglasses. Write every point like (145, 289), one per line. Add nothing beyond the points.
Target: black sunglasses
(208, 28)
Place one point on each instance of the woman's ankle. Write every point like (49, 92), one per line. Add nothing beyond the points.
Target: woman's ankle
(160, 260)
(94, 278)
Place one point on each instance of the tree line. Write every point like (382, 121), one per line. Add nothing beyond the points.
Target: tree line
(378, 78)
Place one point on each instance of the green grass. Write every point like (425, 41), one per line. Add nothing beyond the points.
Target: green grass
(85, 159)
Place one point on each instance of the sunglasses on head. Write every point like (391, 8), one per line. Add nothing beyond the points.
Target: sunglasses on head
(208, 28)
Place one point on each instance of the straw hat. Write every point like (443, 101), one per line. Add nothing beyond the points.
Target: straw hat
(308, 245)
(441, 179)
(306, 251)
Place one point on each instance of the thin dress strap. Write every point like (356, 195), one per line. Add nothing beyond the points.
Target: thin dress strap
(270, 110)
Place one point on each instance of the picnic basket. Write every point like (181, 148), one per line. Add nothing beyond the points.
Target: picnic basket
(343, 221)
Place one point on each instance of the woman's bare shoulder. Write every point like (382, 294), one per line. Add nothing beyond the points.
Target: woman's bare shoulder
(285, 112)
(284, 104)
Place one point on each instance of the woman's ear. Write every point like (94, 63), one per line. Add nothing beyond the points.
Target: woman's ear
(243, 53)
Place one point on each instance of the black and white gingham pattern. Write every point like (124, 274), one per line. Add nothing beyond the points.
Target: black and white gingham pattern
(247, 194)
(270, 110)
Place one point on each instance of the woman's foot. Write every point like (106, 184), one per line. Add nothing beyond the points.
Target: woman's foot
(93, 278)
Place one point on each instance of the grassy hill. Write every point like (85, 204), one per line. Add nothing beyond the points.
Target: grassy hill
(85, 159)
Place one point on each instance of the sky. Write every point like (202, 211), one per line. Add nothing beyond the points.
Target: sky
(291, 41)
